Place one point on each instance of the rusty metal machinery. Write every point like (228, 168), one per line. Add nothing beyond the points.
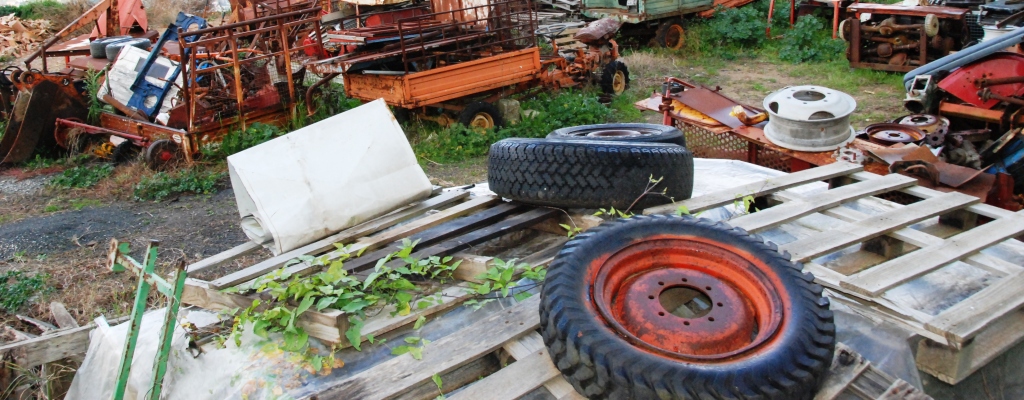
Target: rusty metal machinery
(897, 38)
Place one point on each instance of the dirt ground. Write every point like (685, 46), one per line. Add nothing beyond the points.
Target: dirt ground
(64, 233)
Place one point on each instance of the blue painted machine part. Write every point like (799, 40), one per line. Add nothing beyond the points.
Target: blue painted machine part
(143, 89)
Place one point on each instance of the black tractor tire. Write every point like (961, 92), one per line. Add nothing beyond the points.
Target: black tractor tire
(790, 362)
(114, 49)
(479, 112)
(611, 76)
(162, 154)
(589, 174)
(671, 34)
(125, 152)
(98, 47)
(631, 133)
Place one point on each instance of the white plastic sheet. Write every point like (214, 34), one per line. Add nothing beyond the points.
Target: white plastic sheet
(326, 177)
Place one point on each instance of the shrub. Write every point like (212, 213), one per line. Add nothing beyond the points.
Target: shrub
(17, 288)
(236, 141)
(163, 184)
(736, 27)
(82, 176)
(809, 41)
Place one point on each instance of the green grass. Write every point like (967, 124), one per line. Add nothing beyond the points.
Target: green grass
(17, 288)
(37, 9)
(82, 176)
(162, 185)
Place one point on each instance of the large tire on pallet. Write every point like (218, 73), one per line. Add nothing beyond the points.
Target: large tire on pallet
(632, 133)
(98, 47)
(615, 78)
(481, 115)
(671, 34)
(589, 174)
(676, 307)
(114, 49)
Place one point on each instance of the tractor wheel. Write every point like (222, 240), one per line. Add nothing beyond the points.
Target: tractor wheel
(589, 174)
(676, 307)
(615, 78)
(671, 35)
(481, 115)
(124, 152)
(161, 154)
(633, 133)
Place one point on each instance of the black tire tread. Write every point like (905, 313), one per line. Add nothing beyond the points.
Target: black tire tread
(466, 116)
(608, 74)
(588, 174)
(601, 366)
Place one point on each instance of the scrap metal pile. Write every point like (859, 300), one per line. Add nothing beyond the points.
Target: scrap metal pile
(899, 38)
(190, 87)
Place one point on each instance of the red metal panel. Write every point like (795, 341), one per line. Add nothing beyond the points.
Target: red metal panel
(962, 83)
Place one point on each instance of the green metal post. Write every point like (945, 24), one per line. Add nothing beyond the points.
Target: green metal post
(119, 261)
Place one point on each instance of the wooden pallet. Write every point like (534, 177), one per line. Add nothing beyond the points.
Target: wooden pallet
(928, 266)
(449, 224)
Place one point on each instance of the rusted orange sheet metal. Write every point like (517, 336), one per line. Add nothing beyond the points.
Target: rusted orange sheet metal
(441, 84)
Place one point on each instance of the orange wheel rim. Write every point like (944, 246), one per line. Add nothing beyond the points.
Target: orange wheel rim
(647, 292)
(619, 82)
(674, 37)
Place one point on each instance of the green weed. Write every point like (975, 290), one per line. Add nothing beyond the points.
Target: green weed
(809, 41)
(238, 140)
(17, 288)
(82, 176)
(163, 184)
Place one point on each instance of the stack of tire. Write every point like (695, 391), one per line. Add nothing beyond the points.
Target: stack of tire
(110, 47)
(594, 166)
(662, 307)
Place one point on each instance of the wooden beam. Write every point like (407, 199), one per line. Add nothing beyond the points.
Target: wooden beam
(757, 189)
(224, 257)
(880, 278)
(778, 215)
(513, 381)
(556, 385)
(875, 225)
(346, 235)
(42, 325)
(62, 316)
(55, 346)
(390, 378)
(964, 320)
(926, 193)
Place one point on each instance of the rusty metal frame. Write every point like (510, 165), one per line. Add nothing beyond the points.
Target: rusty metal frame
(277, 38)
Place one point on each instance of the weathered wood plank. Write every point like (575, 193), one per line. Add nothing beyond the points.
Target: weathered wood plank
(19, 335)
(62, 316)
(349, 234)
(513, 381)
(557, 385)
(759, 188)
(915, 237)
(952, 365)
(926, 193)
(875, 225)
(55, 346)
(778, 215)
(880, 278)
(42, 325)
(224, 257)
(964, 320)
(390, 378)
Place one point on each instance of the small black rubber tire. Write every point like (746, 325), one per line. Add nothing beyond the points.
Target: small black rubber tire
(608, 77)
(648, 133)
(125, 152)
(98, 47)
(602, 365)
(589, 174)
(157, 161)
(661, 36)
(467, 114)
(114, 49)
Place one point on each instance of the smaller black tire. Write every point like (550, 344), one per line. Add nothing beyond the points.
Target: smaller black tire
(589, 174)
(633, 133)
(615, 78)
(114, 49)
(98, 47)
(124, 152)
(671, 35)
(161, 154)
(481, 115)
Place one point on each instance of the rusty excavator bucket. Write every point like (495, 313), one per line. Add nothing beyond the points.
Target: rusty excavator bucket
(41, 99)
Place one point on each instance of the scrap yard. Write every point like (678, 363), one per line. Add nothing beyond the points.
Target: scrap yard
(511, 199)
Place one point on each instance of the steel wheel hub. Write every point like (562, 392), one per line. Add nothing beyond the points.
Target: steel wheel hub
(688, 299)
(482, 120)
(619, 82)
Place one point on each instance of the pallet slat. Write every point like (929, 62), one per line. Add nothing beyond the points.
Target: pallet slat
(874, 226)
(389, 378)
(513, 381)
(758, 188)
(224, 257)
(349, 234)
(781, 214)
(885, 276)
(969, 317)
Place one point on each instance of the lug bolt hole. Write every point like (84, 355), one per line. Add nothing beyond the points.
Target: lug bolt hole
(687, 323)
(661, 314)
(651, 297)
(712, 319)
(718, 304)
(661, 283)
(707, 287)
(684, 279)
